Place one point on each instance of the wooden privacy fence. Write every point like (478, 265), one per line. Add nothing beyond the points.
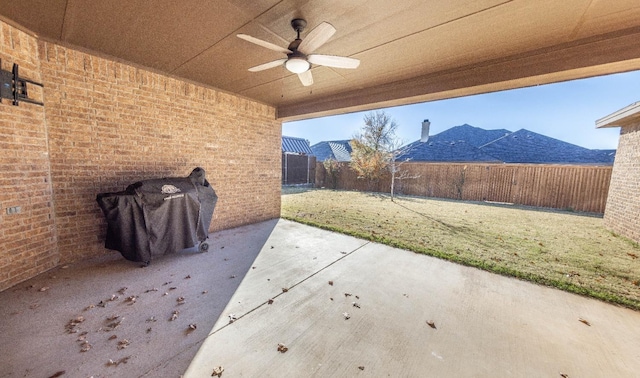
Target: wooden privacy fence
(579, 188)
(298, 169)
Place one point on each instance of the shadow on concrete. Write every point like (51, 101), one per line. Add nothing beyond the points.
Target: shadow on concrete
(130, 321)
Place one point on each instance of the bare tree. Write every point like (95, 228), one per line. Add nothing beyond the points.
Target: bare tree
(376, 150)
(371, 148)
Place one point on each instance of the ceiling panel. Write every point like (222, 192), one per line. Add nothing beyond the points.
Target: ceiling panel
(399, 43)
(161, 34)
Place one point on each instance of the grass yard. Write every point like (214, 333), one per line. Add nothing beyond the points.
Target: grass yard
(570, 251)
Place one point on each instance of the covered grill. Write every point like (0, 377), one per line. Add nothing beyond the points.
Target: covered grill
(154, 217)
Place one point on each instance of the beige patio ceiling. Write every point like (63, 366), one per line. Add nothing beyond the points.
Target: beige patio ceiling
(410, 50)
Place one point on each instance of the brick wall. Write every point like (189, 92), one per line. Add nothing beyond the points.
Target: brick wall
(622, 214)
(28, 238)
(107, 124)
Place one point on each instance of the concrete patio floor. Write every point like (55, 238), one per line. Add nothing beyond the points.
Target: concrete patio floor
(342, 306)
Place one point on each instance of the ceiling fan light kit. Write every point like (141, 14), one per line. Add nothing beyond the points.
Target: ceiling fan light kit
(299, 53)
(297, 65)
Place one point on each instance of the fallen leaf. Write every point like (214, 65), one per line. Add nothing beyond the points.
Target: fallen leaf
(284, 289)
(633, 256)
(331, 283)
(132, 299)
(149, 330)
(205, 291)
(217, 372)
(58, 374)
(174, 315)
(347, 294)
(187, 277)
(85, 346)
(584, 321)
(44, 288)
(172, 288)
(357, 297)
(113, 297)
(166, 283)
(89, 307)
(563, 375)
(113, 317)
(150, 290)
(151, 319)
(232, 318)
(113, 337)
(102, 304)
(123, 360)
(73, 323)
(253, 267)
(123, 344)
(355, 304)
(192, 326)
(282, 348)
(361, 367)
(122, 290)
(431, 324)
(270, 301)
(346, 315)
(180, 300)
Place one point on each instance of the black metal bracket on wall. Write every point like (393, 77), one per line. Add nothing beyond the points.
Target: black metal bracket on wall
(14, 87)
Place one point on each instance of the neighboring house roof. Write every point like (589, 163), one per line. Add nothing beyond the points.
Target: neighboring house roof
(339, 150)
(471, 135)
(524, 146)
(467, 143)
(295, 145)
(440, 150)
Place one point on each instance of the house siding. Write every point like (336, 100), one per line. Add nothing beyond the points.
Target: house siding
(106, 124)
(622, 214)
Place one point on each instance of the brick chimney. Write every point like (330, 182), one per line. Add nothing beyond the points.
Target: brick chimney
(425, 131)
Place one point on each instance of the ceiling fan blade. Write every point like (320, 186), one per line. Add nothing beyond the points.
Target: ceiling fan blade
(266, 66)
(316, 38)
(333, 61)
(306, 78)
(265, 44)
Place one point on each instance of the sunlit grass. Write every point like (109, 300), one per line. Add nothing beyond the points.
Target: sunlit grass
(567, 250)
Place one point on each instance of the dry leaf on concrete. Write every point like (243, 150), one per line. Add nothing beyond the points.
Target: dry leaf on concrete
(174, 315)
(431, 324)
(284, 289)
(122, 290)
(132, 299)
(187, 277)
(123, 344)
(355, 304)
(232, 318)
(192, 326)
(361, 367)
(58, 374)
(282, 348)
(217, 372)
(44, 288)
(346, 315)
(150, 290)
(331, 283)
(584, 321)
(180, 300)
(270, 301)
(123, 360)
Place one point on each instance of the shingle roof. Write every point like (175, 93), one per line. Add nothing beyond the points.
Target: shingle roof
(296, 145)
(467, 143)
(439, 150)
(457, 144)
(524, 146)
(339, 150)
(472, 135)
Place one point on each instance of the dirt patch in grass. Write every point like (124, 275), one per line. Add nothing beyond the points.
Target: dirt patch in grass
(568, 250)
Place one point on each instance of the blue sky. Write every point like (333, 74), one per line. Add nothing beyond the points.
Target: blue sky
(565, 111)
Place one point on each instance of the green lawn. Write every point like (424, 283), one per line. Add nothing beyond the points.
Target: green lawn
(571, 251)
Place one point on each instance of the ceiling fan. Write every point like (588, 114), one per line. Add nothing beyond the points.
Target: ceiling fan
(299, 53)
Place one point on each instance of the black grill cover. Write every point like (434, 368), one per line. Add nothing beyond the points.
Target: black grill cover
(158, 216)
